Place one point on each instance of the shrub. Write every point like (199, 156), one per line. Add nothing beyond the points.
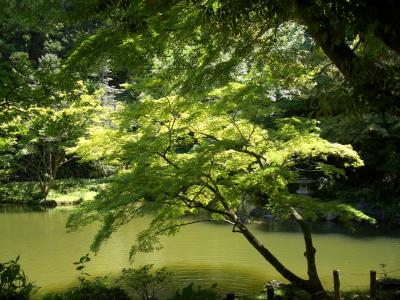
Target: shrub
(14, 283)
(90, 288)
(96, 289)
(144, 283)
(190, 293)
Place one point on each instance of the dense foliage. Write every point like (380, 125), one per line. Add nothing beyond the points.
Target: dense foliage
(14, 284)
(144, 282)
(216, 103)
(209, 39)
(179, 157)
(318, 58)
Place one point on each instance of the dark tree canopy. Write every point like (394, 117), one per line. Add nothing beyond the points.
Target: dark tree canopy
(360, 38)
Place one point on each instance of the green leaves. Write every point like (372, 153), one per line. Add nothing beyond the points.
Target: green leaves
(14, 283)
(183, 156)
(314, 209)
(82, 260)
(145, 282)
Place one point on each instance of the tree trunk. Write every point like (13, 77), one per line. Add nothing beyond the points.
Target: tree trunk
(309, 254)
(48, 166)
(369, 81)
(36, 46)
(46, 183)
(312, 286)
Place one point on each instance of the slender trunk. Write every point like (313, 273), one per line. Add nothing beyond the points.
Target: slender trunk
(36, 46)
(43, 184)
(313, 285)
(251, 238)
(49, 186)
(49, 173)
(314, 288)
(46, 183)
(309, 254)
(289, 275)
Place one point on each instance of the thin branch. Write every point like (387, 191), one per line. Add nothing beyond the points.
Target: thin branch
(164, 156)
(228, 209)
(170, 127)
(188, 223)
(194, 204)
(233, 121)
(198, 193)
(260, 159)
(254, 125)
(323, 69)
(69, 160)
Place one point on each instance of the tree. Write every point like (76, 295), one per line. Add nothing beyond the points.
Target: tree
(360, 40)
(178, 157)
(38, 117)
(208, 150)
(45, 133)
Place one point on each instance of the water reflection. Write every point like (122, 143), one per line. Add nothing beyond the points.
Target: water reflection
(6, 208)
(356, 229)
(204, 252)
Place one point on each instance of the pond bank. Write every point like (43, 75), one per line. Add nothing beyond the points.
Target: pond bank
(66, 192)
(71, 192)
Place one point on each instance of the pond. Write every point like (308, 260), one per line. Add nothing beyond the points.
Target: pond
(203, 253)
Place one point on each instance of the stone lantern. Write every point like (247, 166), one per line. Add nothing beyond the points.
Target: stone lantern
(304, 186)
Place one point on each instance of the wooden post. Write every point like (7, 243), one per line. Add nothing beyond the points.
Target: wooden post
(230, 296)
(336, 284)
(270, 292)
(372, 284)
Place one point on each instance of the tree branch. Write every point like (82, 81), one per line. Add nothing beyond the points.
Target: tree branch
(188, 223)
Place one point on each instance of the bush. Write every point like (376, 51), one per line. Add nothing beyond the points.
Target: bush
(97, 289)
(20, 192)
(144, 283)
(189, 293)
(13, 282)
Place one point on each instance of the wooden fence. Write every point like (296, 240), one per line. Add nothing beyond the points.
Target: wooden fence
(270, 293)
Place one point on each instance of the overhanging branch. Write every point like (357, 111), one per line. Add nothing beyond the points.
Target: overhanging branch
(189, 223)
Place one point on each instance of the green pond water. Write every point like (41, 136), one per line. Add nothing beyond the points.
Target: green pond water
(203, 253)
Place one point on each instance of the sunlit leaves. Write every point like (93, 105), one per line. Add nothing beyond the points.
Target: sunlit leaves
(177, 156)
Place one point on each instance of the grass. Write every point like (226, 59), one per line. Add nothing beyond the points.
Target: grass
(69, 191)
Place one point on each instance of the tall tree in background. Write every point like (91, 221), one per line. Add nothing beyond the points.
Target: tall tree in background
(361, 39)
(46, 133)
(33, 42)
